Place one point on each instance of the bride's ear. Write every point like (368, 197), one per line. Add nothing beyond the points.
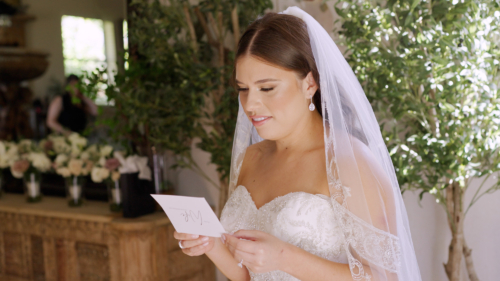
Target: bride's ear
(309, 85)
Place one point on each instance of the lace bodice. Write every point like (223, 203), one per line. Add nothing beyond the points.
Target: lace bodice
(303, 219)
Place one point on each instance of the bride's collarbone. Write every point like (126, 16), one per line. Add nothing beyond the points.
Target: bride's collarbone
(264, 185)
(267, 176)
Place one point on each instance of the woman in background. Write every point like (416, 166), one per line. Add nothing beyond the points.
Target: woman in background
(68, 112)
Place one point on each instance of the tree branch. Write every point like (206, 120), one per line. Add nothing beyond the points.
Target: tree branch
(192, 33)
(204, 25)
(473, 200)
(236, 26)
(469, 264)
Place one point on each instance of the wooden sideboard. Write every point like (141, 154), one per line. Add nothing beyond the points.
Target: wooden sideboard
(49, 241)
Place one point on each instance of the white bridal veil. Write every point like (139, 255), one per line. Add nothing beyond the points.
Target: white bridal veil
(363, 186)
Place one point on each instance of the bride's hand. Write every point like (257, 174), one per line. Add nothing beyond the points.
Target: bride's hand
(194, 245)
(261, 252)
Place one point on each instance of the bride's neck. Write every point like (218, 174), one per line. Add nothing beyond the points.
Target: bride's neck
(306, 136)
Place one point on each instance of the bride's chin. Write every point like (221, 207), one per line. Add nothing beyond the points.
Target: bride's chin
(267, 133)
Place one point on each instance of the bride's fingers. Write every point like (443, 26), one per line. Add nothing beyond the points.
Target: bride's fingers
(185, 236)
(196, 242)
(239, 244)
(196, 250)
(249, 234)
(248, 259)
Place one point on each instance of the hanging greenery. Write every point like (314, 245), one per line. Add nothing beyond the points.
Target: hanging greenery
(430, 71)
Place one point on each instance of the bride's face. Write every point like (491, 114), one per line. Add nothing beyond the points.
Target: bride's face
(274, 99)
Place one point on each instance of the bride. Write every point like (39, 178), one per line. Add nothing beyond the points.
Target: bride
(313, 192)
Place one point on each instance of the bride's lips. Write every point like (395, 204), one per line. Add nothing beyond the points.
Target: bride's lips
(259, 120)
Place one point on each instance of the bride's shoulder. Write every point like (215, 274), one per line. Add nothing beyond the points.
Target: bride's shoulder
(253, 154)
(258, 149)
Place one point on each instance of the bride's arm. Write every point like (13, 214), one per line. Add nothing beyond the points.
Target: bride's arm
(194, 245)
(262, 252)
(225, 262)
(306, 266)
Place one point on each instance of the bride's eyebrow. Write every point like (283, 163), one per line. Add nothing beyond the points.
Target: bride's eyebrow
(260, 81)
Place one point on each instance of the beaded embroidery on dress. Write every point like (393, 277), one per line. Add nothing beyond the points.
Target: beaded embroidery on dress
(303, 219)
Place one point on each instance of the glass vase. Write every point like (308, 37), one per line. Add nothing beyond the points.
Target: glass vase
(74, 190)
(114, 195)
(32, 187)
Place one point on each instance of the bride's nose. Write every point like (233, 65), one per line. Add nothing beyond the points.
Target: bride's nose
(253, 101)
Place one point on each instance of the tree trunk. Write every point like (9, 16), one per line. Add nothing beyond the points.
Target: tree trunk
(455, 221)
(469, 264)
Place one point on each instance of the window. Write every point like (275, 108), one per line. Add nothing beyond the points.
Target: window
(88, 44)
(125, 44)
(83, 44)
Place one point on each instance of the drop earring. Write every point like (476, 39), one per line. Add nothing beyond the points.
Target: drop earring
(311, 106)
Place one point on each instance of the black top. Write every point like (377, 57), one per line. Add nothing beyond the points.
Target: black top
(72, 116)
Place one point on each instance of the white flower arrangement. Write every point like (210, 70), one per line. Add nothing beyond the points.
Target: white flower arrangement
(107, 167)
(72, 155)
(26, 158)
(8, 154)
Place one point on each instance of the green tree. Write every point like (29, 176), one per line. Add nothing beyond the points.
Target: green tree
(177, 87)
(430, 71)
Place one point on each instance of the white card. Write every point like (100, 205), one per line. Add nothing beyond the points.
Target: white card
(190, 215)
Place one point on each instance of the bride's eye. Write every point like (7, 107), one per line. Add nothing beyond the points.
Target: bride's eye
(266, 89)
(242, 89)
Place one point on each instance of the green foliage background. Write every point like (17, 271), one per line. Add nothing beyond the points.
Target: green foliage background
(171, 92)
(430, 70)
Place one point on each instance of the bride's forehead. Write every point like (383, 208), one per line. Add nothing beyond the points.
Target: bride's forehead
(250, 69)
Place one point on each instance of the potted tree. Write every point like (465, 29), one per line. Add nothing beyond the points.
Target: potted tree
(177, 87)
(430, 71)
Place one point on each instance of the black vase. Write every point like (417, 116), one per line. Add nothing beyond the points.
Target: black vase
(136, 194)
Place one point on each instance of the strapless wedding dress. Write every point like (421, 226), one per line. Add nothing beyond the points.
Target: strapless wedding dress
(303, 219)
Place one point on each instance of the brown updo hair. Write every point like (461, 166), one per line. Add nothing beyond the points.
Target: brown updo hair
(281, 40)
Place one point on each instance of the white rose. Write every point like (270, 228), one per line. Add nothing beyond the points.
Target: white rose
(87, 167)
(65, 172)
(75, 166)
(85, 155)
(99, 174)
(4, 163)
(61, 159)
(11, 155)
(60, 145)
(75, 151)
(104, 173)
(92, 150)
(106, 150)
(25, 145)
(40, 161)
(77, 140)
(102, 161)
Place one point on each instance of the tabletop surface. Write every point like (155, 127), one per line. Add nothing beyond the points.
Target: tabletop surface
(57, 207)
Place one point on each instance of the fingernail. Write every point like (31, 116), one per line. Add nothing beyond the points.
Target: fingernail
(204, 244)
(223, 239)
(204, 239)
(194, 236)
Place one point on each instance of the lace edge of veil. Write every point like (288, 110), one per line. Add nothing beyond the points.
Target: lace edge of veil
(376, 246)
